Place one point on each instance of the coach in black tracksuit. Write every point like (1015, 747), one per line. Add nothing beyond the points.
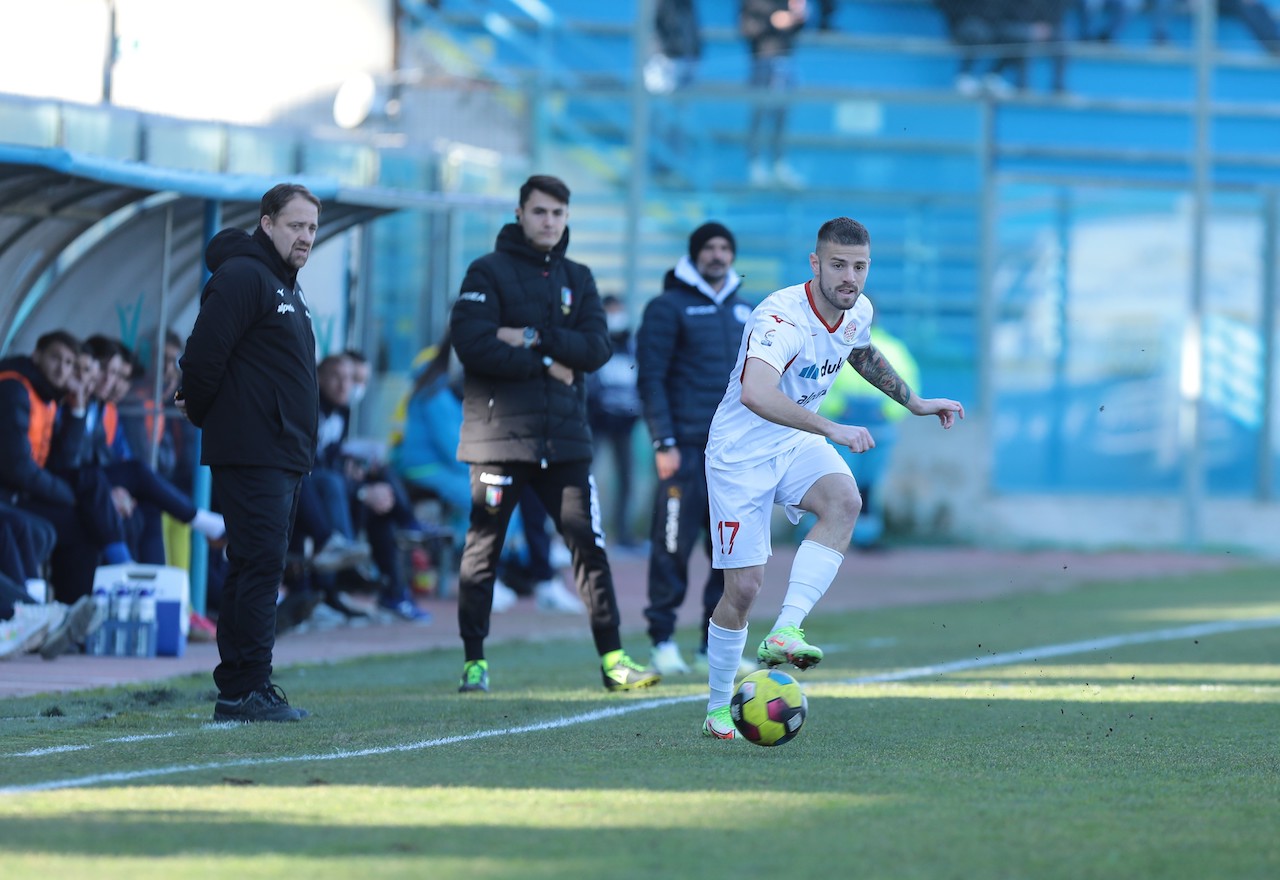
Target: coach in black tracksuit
(249, 381)
(528, 326)
(685, 349)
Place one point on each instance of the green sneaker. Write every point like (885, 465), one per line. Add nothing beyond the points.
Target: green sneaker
(787, 645)
(475, 676)
(621, 673)
(719, 725)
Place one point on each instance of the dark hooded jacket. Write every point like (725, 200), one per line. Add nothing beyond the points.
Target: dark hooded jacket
(685, 350)
(249, 367)
(513, 411)
(21, 476)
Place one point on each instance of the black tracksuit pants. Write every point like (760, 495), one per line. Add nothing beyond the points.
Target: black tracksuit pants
(259, 505)
(568, 492)
(681, 521)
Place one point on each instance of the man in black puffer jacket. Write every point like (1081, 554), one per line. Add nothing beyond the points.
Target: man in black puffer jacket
(685, 350)
(249, 380)
(528, 326)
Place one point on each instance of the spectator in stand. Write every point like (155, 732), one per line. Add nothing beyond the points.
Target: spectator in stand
(27, 621)
(672, 68)
(827, 15)
(425, 455)
(1009, 30)
(613, 404)
(1103, 20)
(685, 349)
(89, 436)
(1259, 18)
(377, 500)
(361, 373)
(770, 28)
(78, 504)
(425, 452)
(679, 42)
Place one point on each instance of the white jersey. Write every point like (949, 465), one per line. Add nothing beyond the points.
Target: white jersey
(786, 332)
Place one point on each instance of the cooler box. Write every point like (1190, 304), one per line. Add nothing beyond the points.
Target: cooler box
(173, 600)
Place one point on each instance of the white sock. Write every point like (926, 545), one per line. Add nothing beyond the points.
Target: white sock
(724, 652)
(209, 524)
(812, 572)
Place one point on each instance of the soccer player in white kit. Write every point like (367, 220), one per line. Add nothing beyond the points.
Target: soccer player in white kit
(768, 445)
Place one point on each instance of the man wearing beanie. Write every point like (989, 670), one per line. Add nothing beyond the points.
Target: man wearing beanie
(685, 348)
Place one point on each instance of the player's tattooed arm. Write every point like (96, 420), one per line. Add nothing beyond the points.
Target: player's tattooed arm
(872, 366)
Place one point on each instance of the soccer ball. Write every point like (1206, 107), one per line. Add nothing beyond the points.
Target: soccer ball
(768, 707)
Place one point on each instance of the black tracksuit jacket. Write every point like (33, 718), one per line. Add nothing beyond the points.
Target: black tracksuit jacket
(249, 368)
(512, 411)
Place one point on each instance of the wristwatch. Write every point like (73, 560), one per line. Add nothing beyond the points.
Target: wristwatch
(663, 445)
(530, 337)
(547, 362)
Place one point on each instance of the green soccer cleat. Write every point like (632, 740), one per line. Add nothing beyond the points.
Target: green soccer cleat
(719, 725)
(787, 645)
(621, 673)
(475, 677)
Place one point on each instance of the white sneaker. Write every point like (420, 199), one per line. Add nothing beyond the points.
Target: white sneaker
(787, 176)
(503, 597)
(554, 596)
(968, 85)
(338, 553)
(24, 631)
(559, 556)
(667, 660)
(758, 174)
(997, 85)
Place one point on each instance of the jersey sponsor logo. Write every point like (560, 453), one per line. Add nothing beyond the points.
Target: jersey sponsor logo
(810, 398)
(474, 296)
(700, 310)
(284, 307)
(767, 339)
(495, 479)
(813, 371)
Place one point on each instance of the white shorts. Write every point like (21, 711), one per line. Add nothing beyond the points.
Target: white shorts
(742, 499)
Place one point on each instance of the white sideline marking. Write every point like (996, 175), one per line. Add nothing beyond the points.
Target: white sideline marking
(53, 750)
(1082, 647)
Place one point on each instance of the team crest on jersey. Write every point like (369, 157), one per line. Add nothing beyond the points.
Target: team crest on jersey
(493, 497)
(850, 330)
(566, 300)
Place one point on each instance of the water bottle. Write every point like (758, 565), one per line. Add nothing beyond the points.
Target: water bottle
(122, 619)
(144, 613)
(98, 641)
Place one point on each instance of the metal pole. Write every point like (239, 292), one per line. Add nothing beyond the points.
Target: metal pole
(638, 181)
(202, 488)
(1193, 433)
(1270, 290)
(986, 276)
(157, 387)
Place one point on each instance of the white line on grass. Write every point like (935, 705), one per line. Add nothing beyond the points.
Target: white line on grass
(1082, 647)
(1032, 654)
(53, 750)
